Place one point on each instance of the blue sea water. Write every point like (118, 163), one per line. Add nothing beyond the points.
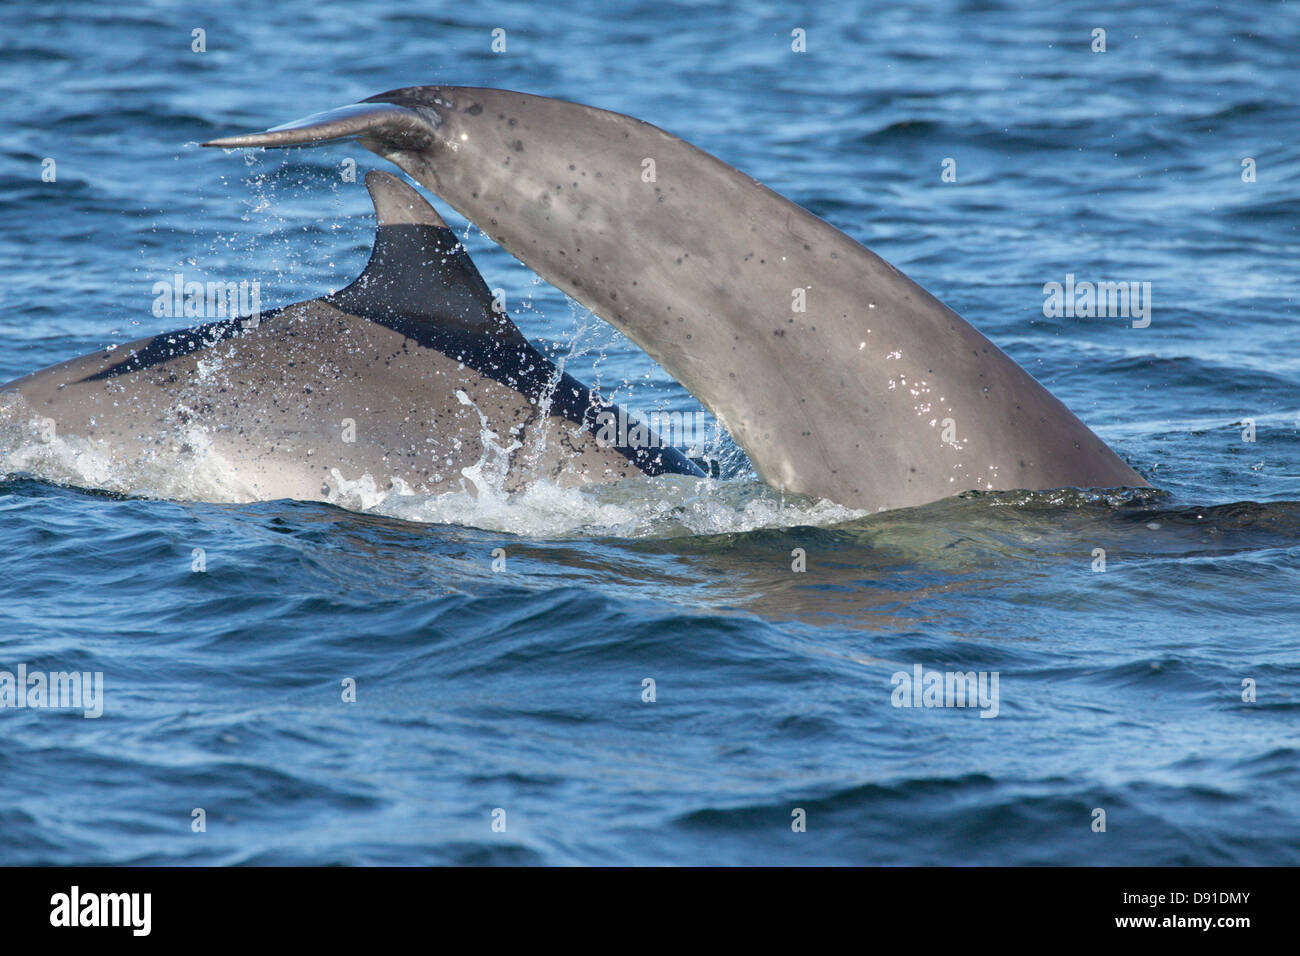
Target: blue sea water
(520, 690)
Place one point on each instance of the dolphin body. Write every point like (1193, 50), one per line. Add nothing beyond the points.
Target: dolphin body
(407, 379)
(838, 375)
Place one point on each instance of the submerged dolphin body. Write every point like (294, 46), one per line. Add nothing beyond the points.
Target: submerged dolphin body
(406, 379)
(838, 375)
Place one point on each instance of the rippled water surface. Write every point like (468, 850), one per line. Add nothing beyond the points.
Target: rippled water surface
(521, 689)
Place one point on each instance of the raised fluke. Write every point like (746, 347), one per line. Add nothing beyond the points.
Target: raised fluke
(395, 126)
(839, 376)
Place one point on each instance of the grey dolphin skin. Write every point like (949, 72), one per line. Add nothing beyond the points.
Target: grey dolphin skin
(406, 376)
(838, 375)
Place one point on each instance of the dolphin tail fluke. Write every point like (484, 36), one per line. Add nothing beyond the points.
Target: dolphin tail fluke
(393, 126)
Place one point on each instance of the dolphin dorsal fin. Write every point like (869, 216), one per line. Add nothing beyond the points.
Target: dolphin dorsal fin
(397, 204)
(418, 269)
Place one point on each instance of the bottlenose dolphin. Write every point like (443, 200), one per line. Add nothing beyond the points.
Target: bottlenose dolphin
(406, 379)
(838, 375)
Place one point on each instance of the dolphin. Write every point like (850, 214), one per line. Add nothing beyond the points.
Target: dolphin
(405, 380)
(839, 376)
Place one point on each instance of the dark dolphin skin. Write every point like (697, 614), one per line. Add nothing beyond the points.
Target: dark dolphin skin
(874, 394)
(407, 377)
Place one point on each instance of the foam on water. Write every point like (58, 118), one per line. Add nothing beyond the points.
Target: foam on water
(662, 506)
